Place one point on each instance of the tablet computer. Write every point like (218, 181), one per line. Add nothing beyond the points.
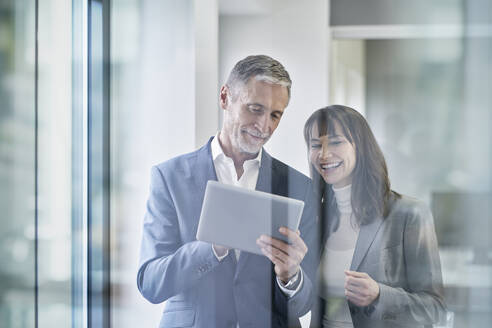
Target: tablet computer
(235, 217)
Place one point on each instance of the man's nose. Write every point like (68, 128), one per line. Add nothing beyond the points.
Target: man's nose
(263, 123)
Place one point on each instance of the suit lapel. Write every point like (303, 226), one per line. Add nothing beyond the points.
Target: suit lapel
(266, 175)
(266, 183)
(202, 169)
(199, 171)
(366, 237)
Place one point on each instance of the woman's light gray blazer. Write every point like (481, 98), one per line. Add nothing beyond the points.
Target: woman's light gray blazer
(400, 252)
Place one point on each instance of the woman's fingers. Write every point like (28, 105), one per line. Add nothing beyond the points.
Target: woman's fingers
(360, 288)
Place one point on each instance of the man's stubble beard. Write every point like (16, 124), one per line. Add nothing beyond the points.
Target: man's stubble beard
(246, 147)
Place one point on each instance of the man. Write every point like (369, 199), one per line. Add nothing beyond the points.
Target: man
(209, 285)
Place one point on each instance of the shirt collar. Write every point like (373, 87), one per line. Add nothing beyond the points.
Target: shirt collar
(218, 152)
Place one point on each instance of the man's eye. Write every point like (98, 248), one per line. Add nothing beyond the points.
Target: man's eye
(315, 146)
(335, 143)
(276, 116)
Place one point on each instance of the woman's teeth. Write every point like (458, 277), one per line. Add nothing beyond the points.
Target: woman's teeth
(331, 165)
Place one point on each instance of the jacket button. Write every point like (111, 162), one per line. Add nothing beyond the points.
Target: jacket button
(354, 310)
(369, 310)
(388, 316)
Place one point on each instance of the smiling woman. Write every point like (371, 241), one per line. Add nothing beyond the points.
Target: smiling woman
(333, 156)
(378, 249)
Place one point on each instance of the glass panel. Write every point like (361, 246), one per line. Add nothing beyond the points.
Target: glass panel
(54, 158)
(438, 149)
(428, 103)
(17, 163)
(151, 47)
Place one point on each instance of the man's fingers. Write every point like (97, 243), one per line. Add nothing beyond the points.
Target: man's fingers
(284, 247)
(282, 261)
(275, 260)
(288, 233)
(281, 256)
(294, 237)
(286, 255)
(284, 258)
(268, 240)
(293, 259)
(297, 244)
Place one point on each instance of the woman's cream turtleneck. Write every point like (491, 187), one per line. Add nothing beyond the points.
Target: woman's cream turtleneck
(336, 258)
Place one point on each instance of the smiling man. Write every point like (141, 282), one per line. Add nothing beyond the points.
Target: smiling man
(209, 285)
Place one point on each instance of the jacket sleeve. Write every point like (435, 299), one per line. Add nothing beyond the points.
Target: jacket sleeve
(167, 266)
(421, 301)
(301, 302)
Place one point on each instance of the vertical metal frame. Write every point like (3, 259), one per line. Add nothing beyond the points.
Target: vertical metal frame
(79, 162)
(90, 164)
(36, 166)
(98, 166)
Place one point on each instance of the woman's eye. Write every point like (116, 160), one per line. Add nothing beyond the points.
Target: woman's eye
(315, 146)
(335, 143)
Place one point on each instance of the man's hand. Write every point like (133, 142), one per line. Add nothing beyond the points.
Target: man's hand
(287, 258)
(360, 288)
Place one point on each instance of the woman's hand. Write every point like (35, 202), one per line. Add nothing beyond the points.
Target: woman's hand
(360, 288)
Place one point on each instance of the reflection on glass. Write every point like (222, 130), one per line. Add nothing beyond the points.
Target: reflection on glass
(17, 163)
(425, 98)
(127, 151)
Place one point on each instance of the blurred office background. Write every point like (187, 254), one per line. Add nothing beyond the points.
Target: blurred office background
(93, 93)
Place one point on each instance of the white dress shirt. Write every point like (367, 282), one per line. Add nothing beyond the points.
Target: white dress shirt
(226, 173)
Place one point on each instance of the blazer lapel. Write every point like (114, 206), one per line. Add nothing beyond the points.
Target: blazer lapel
(366, 237)
(266, 183)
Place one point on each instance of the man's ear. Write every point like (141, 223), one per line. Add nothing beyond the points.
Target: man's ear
(224, 97)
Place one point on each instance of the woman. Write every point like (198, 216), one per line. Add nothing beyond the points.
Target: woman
(379, 261)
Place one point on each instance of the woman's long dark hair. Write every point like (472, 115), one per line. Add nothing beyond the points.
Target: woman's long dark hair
(371, 193)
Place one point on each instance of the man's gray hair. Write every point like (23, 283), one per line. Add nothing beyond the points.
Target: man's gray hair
(262, 68)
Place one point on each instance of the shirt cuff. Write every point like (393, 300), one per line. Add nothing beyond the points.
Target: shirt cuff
(293, 285)
(220, 258)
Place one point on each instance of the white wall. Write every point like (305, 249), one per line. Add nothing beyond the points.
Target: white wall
(206, 25)
(163, 104)
(295, 33)
(348, 73)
